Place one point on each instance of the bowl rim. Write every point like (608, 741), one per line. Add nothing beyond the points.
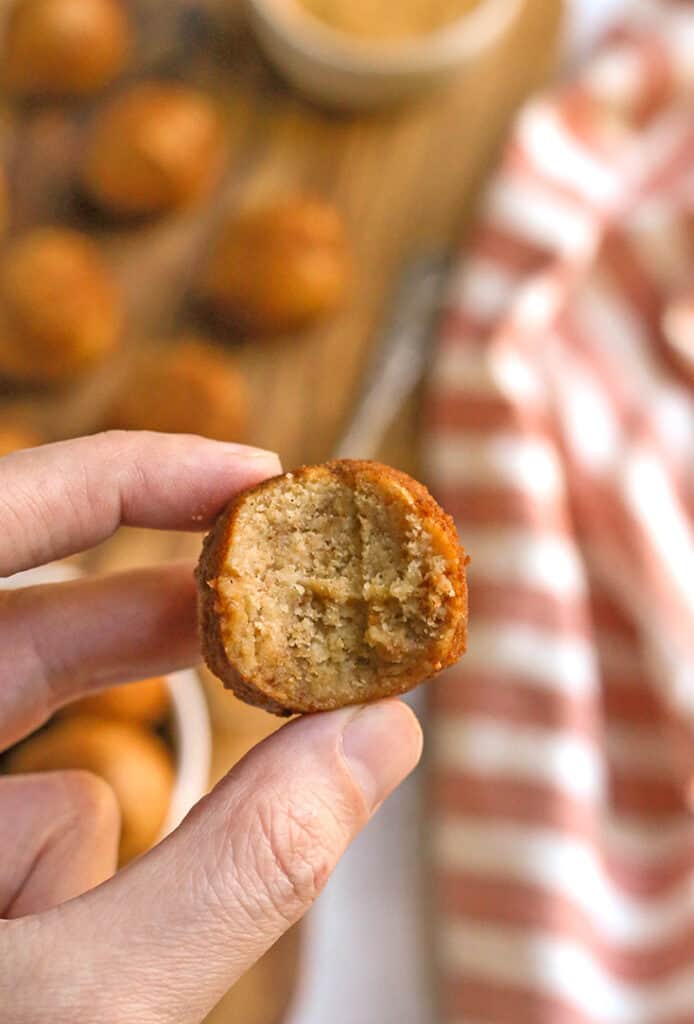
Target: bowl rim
(468, 34)
(193, 745)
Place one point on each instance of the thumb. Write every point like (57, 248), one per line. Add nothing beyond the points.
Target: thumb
(166, 937)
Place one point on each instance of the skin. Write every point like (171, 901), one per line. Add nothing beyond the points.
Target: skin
(162, 940)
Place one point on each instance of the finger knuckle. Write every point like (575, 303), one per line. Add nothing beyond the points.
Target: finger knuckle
(292, 857)
(90, 799)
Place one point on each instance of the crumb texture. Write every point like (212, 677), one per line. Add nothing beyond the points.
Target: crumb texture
(333, 587)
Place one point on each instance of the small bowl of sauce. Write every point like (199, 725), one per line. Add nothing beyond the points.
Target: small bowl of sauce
(356, 54)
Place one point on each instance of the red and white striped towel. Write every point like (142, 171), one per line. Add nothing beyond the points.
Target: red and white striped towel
(561, 437)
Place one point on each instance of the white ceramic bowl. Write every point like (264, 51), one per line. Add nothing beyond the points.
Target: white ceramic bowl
(190, 716)
(338, 71)
(193, 740)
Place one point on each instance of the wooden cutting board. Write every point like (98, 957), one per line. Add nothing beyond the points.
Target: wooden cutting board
(406, 180)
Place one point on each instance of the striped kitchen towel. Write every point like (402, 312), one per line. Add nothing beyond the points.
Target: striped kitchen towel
(561, 436)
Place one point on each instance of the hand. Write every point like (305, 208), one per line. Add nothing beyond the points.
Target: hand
(162, 940)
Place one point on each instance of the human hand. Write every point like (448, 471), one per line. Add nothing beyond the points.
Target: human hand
(162, 940)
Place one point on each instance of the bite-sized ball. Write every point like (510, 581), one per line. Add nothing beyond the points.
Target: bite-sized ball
(186, 388)
(156, 147)
(278, 267)
(333, 585)
(146, 701)
(60, 309)
(64, 47)
(134, 762)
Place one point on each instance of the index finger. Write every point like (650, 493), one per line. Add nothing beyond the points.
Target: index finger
(62, 498)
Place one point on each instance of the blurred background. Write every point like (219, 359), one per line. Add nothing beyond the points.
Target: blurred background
(238, 219)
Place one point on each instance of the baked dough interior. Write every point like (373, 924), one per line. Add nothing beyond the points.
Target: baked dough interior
(329, 593)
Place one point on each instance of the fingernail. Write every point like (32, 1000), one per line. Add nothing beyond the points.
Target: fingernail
(271, 460)
(245, 451)
(381, 744)
(260, 453)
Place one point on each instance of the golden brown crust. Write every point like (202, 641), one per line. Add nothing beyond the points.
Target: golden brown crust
(60, 307)
(277, 268)
(157, 146)
(212, 643)
(64, 47)
(188, 387)
(217, 543)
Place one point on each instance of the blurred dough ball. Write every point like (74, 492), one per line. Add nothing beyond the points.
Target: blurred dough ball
(135, 763)
(64, 47)
(156, 147)
(16, 436)
(60, 311)
(146, 701)
(188, 388)
(278, 267)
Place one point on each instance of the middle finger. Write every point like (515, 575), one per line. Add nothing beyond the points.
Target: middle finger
(63, 640)
(59, 837)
